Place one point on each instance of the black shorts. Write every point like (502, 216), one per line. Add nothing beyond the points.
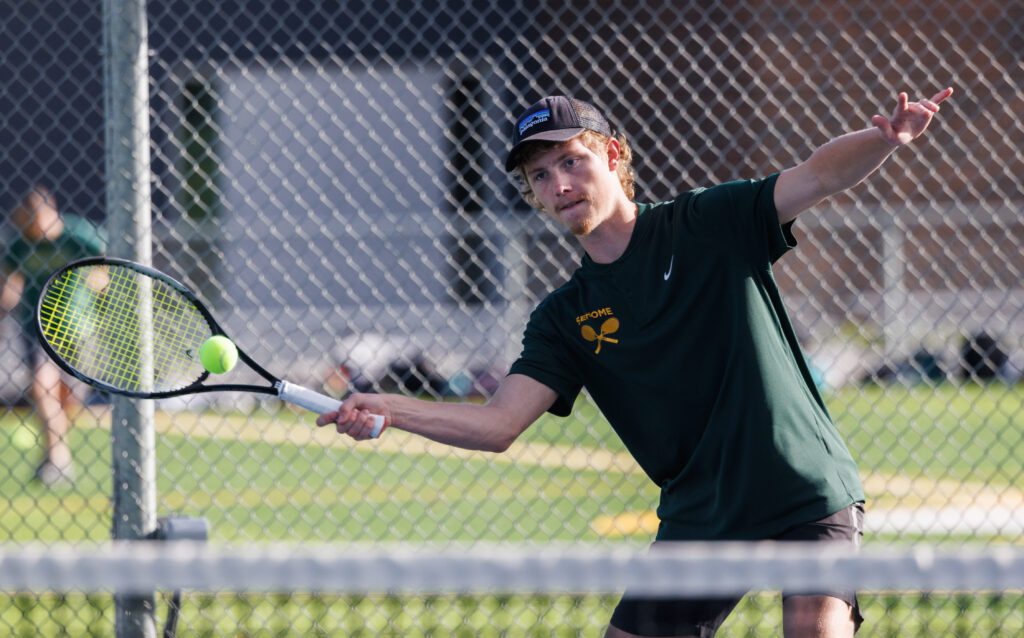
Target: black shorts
(703, 616)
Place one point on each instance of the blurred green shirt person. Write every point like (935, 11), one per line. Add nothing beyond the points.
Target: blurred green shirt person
(46, 241)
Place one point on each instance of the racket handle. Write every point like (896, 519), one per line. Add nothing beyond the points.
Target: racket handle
(319, 403)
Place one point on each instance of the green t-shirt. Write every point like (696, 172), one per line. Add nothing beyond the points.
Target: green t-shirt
(37, 260)
(685, 346)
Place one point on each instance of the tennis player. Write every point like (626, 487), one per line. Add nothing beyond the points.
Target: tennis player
(675, 326)
(46, 240)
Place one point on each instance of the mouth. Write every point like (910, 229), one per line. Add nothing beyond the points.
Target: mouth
(571, 205)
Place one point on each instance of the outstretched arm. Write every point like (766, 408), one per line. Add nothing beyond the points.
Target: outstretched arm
(11, 287)
(492, 427)
(845, 161)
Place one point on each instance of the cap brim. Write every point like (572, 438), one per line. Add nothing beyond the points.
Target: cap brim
(561, 135)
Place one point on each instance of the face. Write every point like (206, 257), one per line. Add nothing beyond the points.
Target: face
(37, 217)
(575, 185)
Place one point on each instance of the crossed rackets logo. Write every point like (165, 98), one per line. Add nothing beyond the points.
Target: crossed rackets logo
(609, 326)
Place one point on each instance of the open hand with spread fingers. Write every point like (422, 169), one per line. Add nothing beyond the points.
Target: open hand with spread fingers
(910, 119)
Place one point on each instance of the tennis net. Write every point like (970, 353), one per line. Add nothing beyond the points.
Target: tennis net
(503, 589)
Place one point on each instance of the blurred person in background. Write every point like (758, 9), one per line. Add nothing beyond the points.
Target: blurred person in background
(46, 240)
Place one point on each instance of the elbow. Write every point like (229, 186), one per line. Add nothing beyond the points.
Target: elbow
(502, 443)
(504, 434)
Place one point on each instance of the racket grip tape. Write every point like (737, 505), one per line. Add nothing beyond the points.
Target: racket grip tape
(319, 403)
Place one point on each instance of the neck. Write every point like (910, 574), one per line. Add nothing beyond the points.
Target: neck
(609, 241)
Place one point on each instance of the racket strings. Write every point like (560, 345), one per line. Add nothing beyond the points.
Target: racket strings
(59, 327)
(178, 325)
(124, 328)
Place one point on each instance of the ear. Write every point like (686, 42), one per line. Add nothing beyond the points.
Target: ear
(614, 152)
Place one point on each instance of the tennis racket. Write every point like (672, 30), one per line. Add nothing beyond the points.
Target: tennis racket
(131, 330)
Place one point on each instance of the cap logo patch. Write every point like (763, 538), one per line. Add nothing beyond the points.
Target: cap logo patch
(533, 119)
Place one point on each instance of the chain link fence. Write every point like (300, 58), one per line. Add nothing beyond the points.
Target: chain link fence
(328, 177)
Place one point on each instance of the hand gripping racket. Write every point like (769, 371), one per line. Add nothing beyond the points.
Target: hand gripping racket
(131, 330)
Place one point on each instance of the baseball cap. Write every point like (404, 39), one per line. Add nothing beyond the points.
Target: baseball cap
(556, 118)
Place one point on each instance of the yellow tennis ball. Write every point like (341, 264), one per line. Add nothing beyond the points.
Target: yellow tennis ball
(24, 438)
(218, 354)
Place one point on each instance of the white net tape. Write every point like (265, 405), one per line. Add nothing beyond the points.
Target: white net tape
(681, 569)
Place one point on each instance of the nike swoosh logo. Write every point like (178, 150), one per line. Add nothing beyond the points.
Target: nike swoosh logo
(668, 273)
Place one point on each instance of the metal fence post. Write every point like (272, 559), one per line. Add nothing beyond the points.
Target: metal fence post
(126, 82)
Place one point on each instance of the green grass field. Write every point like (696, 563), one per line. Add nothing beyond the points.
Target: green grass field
(289, 487)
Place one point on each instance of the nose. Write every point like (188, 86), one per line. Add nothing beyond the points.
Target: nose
(562, 183)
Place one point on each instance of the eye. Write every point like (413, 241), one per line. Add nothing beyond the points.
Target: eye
(539, 175)
(572, 162)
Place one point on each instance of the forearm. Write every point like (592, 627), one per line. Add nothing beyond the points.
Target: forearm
(492, 427)
(836, 166)
(847, 160)
(464, 425)
(10, 292)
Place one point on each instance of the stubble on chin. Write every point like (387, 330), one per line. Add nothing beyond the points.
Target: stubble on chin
(580, 226)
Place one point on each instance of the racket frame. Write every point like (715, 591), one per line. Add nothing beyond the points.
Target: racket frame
(197, 386)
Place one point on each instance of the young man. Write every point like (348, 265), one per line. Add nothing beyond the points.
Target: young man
(46, 241)
(674, 325)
